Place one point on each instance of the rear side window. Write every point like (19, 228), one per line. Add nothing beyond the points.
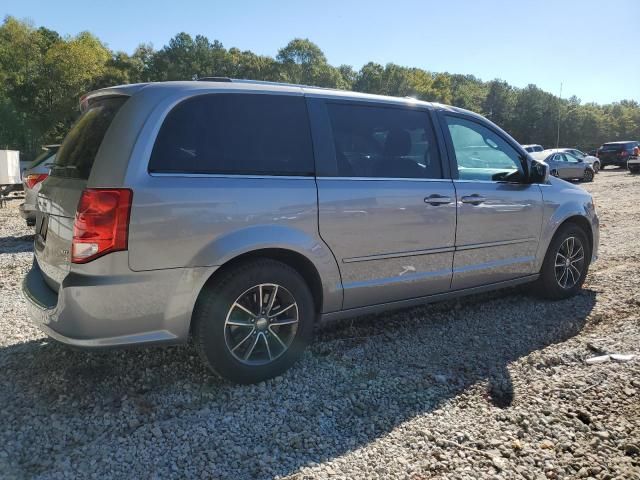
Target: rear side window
(389, 142)
(78, 151)
(235, 134)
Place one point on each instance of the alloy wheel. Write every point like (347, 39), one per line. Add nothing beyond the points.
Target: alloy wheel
(261, 324)
(588, 175)
(569, 263)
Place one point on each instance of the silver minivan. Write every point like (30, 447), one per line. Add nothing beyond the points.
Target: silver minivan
(244, 213)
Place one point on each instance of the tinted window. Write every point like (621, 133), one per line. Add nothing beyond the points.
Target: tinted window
(612, 146)
(383, 142)
(482, 154)
(78, 151)
(235, 134)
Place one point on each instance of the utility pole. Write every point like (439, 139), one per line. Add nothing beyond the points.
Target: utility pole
(559, 105)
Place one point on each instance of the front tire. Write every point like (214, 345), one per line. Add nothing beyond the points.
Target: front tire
(587, 176)
(596, 167)
(254, 321)
(566, 263)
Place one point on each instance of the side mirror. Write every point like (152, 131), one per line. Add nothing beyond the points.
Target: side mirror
(538, 172)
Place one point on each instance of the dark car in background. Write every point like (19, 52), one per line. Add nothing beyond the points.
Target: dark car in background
(616, 153)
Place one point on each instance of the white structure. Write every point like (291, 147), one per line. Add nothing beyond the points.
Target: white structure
(9, 167)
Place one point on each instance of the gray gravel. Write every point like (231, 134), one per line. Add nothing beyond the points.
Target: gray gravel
(493, 386)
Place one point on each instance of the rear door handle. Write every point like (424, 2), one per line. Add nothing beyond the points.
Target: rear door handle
(436, 200)
(474, 199)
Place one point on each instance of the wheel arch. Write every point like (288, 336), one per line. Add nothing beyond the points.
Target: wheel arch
(583, 224)
(293, 259)
(576, 219)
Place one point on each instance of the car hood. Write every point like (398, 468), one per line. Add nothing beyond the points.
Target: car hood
(567, 186)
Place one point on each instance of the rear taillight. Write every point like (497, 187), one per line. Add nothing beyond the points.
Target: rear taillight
(33, 179)
(102, 223)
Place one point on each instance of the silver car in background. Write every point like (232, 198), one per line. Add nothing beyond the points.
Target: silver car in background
(590, 159)
(32, 178)
(565, 165)
(241, 214)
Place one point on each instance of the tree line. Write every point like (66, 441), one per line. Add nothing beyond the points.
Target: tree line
(43, 75)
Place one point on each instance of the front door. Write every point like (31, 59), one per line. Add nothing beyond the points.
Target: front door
(499, 214)
(385, 208)
(573, 166)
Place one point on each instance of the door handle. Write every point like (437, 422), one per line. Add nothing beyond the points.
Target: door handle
(474, 199)
(436, 200)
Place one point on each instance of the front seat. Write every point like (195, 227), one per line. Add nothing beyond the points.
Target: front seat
(397, 147)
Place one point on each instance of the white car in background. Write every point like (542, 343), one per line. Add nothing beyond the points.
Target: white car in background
(534, 147)
(590, 159)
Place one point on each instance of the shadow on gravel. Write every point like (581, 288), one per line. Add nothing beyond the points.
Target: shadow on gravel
(13, 244)
(159, 413)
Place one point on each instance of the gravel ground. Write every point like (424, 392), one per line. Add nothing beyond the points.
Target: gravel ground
(493, 386)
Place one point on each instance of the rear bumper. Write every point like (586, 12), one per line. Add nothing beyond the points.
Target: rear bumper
(633, 162)
(131, 308)
(27, 212)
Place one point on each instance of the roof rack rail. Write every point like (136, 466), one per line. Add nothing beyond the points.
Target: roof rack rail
(259, 82)
(213, 79)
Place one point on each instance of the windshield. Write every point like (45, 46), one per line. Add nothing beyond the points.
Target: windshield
(78, 151)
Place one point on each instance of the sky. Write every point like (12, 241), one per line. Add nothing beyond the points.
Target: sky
(592, 47)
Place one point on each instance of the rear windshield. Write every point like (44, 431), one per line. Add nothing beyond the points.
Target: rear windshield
(78, 151)
(43, 157)
(613, 146)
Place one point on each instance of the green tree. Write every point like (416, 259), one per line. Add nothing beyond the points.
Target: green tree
(499, 103)
(302, 62)
(43, 75)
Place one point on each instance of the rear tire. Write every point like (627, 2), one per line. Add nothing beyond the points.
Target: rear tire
(237, 328)
(588, 175)
(565, 265)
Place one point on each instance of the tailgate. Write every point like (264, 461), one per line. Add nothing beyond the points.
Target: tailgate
(60, 192)
(56, 204)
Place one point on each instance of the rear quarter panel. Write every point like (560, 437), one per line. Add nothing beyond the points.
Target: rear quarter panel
(182, 221)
